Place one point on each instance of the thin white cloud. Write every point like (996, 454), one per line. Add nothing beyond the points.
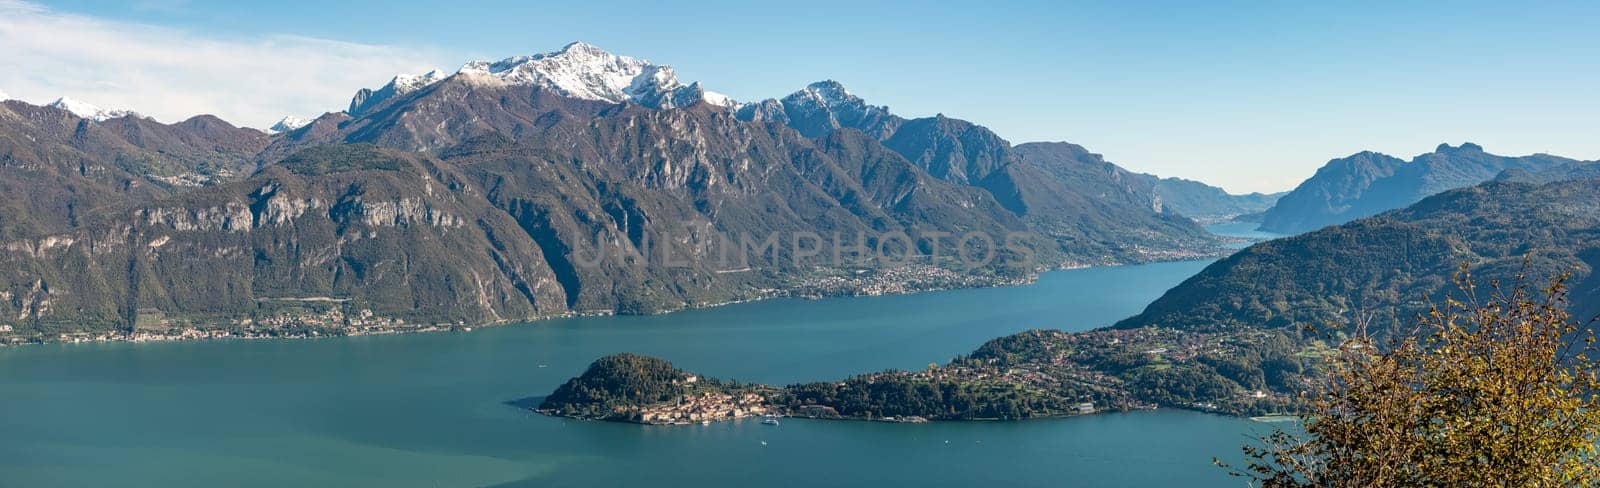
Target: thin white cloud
(172, 74)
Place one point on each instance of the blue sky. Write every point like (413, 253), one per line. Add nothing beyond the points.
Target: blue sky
(1248, 96)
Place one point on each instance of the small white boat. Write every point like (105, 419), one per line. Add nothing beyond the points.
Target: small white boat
(763, 443)
(770, 420)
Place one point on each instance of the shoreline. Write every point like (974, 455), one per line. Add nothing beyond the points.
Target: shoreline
(220, 334)
(1269, 419)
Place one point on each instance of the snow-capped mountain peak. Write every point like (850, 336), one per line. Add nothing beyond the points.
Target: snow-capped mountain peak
(406, 83)
(830, 93)
(4, 96)
(585, 71)
(818, 109)
(287, 124)
(579, 70)
(89, 111)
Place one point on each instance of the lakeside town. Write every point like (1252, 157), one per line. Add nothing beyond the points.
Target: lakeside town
(1033, 374)
(318, 317)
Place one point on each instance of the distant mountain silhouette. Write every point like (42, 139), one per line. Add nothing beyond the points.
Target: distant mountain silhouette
(1368, 183)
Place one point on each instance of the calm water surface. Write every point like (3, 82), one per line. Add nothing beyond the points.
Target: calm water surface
(430, 410)
(1247, 230)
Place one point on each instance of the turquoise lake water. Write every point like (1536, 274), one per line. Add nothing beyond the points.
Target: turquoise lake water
(430, 410)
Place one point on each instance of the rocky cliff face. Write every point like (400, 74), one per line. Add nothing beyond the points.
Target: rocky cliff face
(388, 233)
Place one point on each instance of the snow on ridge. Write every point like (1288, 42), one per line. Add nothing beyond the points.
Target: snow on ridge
(400, 85)
(288, 123)
(578, 70)
(407, 83)
(4, 96)
(829, 93)
(88, 110)
(718, 99)
(825, 102)
(585, 71)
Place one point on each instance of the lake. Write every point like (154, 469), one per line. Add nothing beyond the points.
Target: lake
(430, 410)
(1245, 230)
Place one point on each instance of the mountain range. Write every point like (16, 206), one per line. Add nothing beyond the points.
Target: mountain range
(1209, 204)
(1368, 183)
(481, 197)
(1389, 268)
(90, 111)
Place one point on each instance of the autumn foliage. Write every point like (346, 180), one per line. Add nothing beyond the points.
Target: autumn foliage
(1493, 392)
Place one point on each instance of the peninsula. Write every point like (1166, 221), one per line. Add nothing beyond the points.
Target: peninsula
(1033, 374)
